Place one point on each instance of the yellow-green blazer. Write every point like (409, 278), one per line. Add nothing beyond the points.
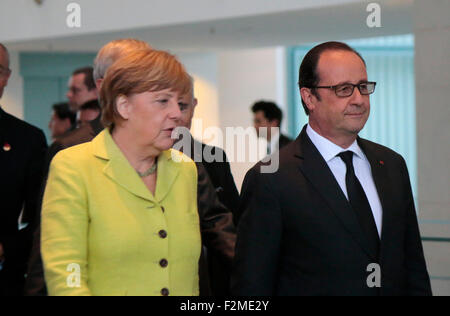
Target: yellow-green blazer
(104, 233)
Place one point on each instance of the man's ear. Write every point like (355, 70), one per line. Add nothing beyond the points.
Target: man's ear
(308, 97)
(123, 106)
(194, 102)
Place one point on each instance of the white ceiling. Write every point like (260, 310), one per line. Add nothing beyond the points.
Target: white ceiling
(286, 28)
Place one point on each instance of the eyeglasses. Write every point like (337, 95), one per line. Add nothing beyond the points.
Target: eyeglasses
(346, 89)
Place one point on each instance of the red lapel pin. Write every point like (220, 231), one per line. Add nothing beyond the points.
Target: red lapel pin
(6, 147)
(382, 162)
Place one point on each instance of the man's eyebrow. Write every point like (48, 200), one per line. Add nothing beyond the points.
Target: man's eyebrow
(348, 82)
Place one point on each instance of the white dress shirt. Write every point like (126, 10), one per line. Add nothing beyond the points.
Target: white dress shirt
(361, 164)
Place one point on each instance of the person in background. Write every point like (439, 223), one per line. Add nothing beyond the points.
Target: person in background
(35, 283)
(82, 93)
(218, 198)
(82, 88)
(268, 115)
(62, 120)
(338, 216)
(22, 151)
(122, 209)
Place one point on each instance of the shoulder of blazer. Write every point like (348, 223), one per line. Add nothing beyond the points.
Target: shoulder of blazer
(75, 156)
(379, 152)
(284, 140)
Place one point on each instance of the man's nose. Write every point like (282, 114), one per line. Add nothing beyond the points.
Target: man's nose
(357, 98)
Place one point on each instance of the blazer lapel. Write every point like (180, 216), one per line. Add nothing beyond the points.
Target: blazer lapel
(118, 168)
(168, 171)
(315, 168)
(381, 179)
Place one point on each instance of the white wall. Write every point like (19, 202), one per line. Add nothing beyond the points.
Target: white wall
(12, 100)
(227, 84)
(31, 21)
(203, 68)
(246, 76)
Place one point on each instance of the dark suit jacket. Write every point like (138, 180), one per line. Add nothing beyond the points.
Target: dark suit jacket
(299, 235)
(220, 174)
(284, 140)
(219, 199)
(22, 169)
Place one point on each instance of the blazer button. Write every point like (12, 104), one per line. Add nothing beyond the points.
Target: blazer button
(163, 209)
(162, 233)
(163, 263)
(165, 292)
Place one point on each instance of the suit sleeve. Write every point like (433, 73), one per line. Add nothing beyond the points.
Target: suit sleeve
(218, 231)
(417, 274)
(259, 238)
(64, 235)
(231, 193)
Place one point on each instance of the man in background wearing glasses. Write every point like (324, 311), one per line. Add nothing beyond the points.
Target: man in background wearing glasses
(338, 217)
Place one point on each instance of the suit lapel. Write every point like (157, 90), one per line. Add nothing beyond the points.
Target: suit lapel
(170, 170)
(381, 179)
(316, 170)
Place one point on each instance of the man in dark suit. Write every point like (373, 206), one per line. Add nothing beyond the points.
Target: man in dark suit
(268, 115)
(338, 217)
(22, 151)
(224, 193)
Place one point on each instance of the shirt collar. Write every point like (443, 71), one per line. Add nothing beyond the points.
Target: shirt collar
(328, 149)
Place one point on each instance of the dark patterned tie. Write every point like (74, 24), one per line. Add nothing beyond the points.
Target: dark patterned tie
(358, 200)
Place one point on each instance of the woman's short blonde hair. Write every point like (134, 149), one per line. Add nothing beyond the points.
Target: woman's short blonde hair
(138, 72)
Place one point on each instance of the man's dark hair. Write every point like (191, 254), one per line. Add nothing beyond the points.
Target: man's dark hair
(308, 75)
(88, 73)
(62, 111)
(270, 109)
(91, 105)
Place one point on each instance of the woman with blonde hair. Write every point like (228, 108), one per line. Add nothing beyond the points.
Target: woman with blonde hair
(120, 213)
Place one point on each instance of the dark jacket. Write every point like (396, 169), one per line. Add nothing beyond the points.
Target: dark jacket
(22, 151)
(299, 236)
(284, 140)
